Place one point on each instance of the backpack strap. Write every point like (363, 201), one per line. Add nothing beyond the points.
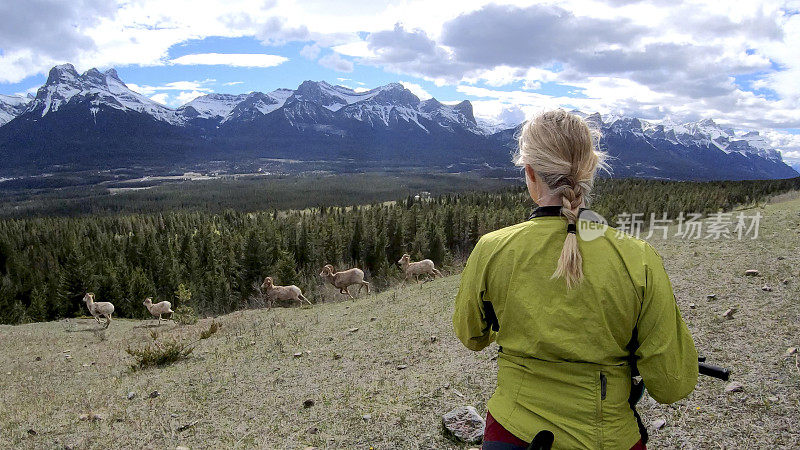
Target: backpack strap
(637, 389)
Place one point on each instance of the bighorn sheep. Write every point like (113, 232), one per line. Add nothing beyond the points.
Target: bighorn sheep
(343, 280)
(97, 309)
(417, 268)
(279, 293)
(159, 308)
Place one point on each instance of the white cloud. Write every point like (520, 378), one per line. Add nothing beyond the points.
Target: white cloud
(416, 89)
(165, 93)
(310, 51)
(679, 61)
(173, 86)
(336, 62)
(160, 98)
(358, 48)
(31, 90)
(186, 96)
(232, 83)
(231, 59)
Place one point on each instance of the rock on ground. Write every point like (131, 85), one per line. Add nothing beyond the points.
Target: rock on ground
(464, 424)
(734, 386)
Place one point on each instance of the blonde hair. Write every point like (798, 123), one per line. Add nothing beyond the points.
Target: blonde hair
(561, 148)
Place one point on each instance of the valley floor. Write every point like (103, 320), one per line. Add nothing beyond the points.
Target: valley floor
(382, 369)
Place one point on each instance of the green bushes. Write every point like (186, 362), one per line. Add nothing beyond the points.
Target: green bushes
(185, 315)
(159, 353)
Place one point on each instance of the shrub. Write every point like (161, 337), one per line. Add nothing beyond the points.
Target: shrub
(185, 315)
(213, 328)
(159, 354)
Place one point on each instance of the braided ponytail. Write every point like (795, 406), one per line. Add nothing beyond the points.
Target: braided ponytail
(561, 149)
(570, 262)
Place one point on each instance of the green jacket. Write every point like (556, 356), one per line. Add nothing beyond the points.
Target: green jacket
(563, 364)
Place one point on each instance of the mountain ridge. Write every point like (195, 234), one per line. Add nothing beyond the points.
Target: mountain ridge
(96, 120)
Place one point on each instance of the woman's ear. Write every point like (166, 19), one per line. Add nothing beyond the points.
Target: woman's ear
(531, 174)
(530, 181)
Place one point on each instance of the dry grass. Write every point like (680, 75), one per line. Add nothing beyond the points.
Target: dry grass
(244, 387)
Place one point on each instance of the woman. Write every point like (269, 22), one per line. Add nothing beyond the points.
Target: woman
(570, 314)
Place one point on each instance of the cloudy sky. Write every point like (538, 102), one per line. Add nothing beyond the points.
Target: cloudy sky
(736, 62)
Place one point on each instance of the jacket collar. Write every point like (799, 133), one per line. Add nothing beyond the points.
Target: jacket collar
(552, 210)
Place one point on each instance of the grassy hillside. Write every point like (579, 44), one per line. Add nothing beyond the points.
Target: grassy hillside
(244, 387)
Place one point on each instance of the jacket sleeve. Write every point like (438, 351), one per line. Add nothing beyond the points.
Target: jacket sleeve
(469, 318)
(667, 358)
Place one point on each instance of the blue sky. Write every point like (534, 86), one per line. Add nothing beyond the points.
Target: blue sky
(651, 59)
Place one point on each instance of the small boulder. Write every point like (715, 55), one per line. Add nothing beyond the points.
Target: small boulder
(38, 358)
(308, 403)
(337, 356)
(729, 313)
(791, 351)
(312, 430)
(131, 395)
(433, 338)
(401, 366)
(154, 394)
(766, 288)
(366, 417)
(734, 386)
(781, 258)
(659, 424)
(751, 273)
(464, 424)
(785, 281)
(692, 306)
(32, 432)
(373, 319)
(298, 354)
(711, 296)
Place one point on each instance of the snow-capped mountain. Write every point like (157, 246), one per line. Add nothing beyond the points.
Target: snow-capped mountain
(702, 133)
(377, 107)
(707, 132)
(11, 106)
(692, 150)
(94, 120)
(66, 87)
(211, 106)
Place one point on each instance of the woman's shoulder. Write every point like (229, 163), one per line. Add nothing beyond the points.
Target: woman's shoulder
(503, 234)
(630, 245)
